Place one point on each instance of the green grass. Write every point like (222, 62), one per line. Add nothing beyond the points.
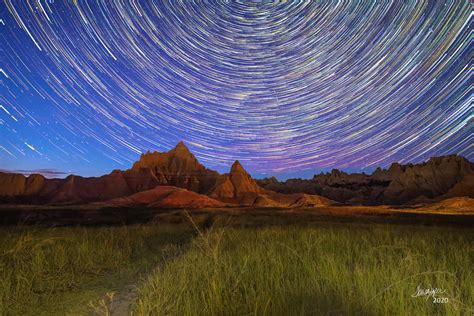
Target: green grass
(59, 271)
(247, 265)
(352, 269)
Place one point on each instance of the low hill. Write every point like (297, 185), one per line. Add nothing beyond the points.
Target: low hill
(166, 197)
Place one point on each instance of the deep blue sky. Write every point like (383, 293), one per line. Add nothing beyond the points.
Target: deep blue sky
(288, 89)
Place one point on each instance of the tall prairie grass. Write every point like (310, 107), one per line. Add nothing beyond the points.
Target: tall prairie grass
(348, 269)
(55, 271)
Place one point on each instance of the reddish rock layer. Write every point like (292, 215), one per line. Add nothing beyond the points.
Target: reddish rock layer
(167, 197)
(440, 177)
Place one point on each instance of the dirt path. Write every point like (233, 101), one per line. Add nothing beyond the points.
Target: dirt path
(123, 300)
(127, 296)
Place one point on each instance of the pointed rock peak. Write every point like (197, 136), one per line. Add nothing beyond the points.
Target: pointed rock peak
(181, 148)
(395, 167)
(182, 151)
(237, 167)
(181, 145)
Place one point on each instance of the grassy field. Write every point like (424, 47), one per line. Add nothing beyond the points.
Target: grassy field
(59, 271)
(349, 269)
(239, 267)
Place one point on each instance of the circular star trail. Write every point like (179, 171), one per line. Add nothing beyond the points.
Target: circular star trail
(283, 87)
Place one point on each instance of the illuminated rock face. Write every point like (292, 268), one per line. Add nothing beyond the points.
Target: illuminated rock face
(12, 184)
(236, 184)
(237, 187)
(178, 167)
(431, 179)
(440, 177)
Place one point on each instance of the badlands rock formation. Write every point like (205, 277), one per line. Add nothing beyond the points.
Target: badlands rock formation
(178, 167)
(440, 177)
(431, 179)
(238, 187)
(173, 179)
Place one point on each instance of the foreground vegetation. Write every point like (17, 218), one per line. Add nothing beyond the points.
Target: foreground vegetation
(268, 268)
(59, 271)
(351, 269)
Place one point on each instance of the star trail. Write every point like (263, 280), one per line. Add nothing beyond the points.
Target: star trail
(286, 88)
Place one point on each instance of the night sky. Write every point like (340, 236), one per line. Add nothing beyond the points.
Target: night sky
(289, 89)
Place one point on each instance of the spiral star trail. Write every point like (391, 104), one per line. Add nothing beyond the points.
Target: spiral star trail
(283, 87)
